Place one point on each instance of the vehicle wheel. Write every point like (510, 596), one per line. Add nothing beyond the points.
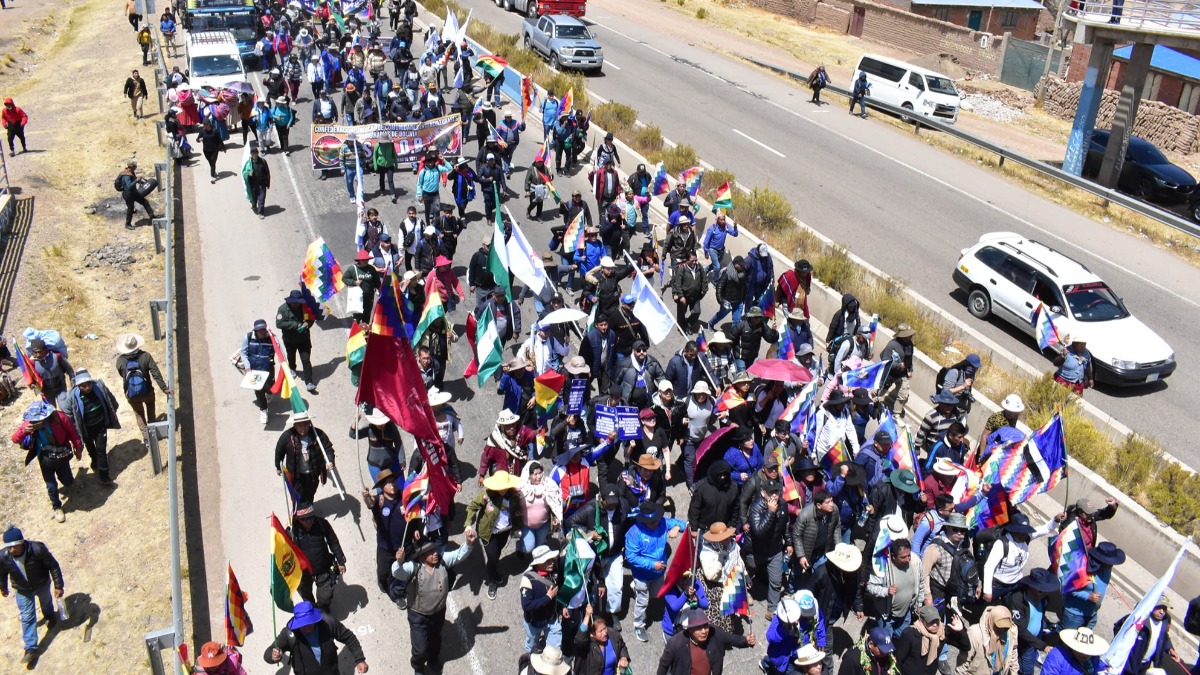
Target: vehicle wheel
(1145, 189)
(508, 5)
(905, 118)
(1195, 211)
(979, 304)
(527, 44)
(554, 63)
(531, 10)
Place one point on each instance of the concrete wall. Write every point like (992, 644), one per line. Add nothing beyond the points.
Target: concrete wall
(1162, 124)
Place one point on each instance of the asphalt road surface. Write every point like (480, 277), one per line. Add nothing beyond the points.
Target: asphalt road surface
(903, 206)
(246, 266)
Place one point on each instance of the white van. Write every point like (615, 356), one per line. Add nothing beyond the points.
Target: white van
(907, 86)
(214, 59)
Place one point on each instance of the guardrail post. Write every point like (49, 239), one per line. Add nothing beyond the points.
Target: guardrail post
(156, 432)
(158, 224)
(157, 306)
(162, 98)
(160, 128)
(156, 642)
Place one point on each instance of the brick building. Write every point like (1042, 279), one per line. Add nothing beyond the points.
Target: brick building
(1174, 77)
(1019, 17)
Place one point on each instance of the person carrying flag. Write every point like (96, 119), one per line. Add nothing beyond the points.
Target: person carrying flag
(640, 182)
(319, 543)
(678, 200)
(714, 242)
(306, 454)
(536, 179)
(1075, 371)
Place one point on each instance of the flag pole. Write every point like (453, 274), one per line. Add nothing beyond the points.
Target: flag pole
(358, 443)
(332, 472)
(271, 592)
(286, 499)
(675, 323)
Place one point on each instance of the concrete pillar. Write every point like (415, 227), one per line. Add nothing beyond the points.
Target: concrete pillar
(1089, 105)
(1126, 113)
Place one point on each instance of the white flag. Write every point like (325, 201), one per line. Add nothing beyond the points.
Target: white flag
(1118, 652)
(450, 30)
(523, 260)
(649, 307)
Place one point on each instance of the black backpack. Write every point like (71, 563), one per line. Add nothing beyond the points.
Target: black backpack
(981, 548)
(964, 572)
(1191, 620)
(941, 378)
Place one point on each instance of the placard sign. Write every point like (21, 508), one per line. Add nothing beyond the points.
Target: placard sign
(575, 396)
(622, 418)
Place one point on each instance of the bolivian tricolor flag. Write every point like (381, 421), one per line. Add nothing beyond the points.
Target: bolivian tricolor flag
(546, 390)
(356, 349)
(491, 64)
(284, 385)
(550, 186)
(288, 564)
(724, 198)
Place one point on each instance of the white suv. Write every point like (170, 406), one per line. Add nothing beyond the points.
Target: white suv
(1007, 275)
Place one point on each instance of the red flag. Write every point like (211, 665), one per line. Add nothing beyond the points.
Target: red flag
(472, 326)
(681, 562)
(391, 381)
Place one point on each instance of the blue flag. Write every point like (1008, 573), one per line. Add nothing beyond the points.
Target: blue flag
(868, 377)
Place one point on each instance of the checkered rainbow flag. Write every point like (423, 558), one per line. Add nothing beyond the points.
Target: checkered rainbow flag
(321, 274)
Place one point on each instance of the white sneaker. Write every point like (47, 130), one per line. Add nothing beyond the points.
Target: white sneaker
(262, 416)
(59, 516)
(311, 386)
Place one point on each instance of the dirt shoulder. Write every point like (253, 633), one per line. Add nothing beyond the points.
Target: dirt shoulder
(88, 277)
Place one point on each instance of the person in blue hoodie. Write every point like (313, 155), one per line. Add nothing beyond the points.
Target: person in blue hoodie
(760, 275)
(686, 593)
(549, 114)
(646, 553)
(796, 623)
(743, 456)
(1081, 606)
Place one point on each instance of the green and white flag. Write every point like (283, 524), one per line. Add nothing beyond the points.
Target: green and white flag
(487, 341)
(246, 168)
(578, 563)
(497, 262)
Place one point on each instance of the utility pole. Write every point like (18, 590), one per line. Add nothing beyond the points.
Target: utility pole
(1058, 19)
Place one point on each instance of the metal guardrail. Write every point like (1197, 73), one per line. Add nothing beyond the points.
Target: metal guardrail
(1118, 198)
(164, 242)
(1153, 15)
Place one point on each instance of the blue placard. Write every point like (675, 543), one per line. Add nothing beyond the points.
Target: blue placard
(622, 418)
(575, 396)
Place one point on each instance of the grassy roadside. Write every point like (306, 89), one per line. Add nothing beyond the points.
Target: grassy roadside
(1135, 466)
(114, 546)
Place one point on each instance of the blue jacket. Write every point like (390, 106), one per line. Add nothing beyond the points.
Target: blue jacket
(1078, 600)
(760, 274)
(590, 350)
(589, 256)
(872, 464)
(1061, 662)
(714, 237)
(782, 641)
(675, 600)
(644, 548)
(740, 464)
(513, 390)
(850, 501)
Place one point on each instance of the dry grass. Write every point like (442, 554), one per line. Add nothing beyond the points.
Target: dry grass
(114, 545)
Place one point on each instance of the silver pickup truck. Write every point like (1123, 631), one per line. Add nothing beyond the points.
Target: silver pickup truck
(563, 40)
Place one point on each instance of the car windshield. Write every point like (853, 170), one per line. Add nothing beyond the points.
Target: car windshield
(941, 85)
(220, 64)
(573, 32)
(1145, 154)
(1094, 302)
(241, 25)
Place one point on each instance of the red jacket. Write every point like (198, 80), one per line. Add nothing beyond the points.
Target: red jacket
(14, 116)
(501, 460)
(62, 429)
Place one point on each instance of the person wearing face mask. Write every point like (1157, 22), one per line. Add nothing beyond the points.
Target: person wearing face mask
(714, 498)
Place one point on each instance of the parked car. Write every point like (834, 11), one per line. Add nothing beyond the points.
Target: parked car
(1007, 275)
(1146, 173)
(563, 40)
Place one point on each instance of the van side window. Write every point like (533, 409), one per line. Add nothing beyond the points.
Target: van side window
(881, 70)
(992, 257)
(1019, 273)
(916, 81)
(1045, 291)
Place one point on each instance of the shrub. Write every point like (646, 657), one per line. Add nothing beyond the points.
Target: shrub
(492, 39)
(1175, 498)
(647, 140)
(615, 117)
(1133, 464)
(676, 159)
(525, 61)
(766, 211)
(700, 13)
(564, 82)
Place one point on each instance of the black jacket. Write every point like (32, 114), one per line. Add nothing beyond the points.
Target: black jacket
(589, 656)
(731, 285)
(711, 504)
(629, 329)
(651, 373)
(806, 528)
(747, 338)
(751, 490)
(1018, 605)
(852, 664)
(287, 452)
(768, 531)
(677, 373)
(677, 657)
(845, 322)
(320, 545)
(908, 650)
(40, 568)
(585, 519)
(302, 659)
(478, 274)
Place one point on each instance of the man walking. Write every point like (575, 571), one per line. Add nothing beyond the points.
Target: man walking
(429, 584)
(48, 435)
(258, 353)
(127, 185)
(52, 369)
(309, 641)
(259, 180)
(646, 553)
(31, 569)
(93, 410)
(14, 120)
(135, 91)
(858, 94)
(306, 454)
(297, 336)
(136, 369)
(315, 536)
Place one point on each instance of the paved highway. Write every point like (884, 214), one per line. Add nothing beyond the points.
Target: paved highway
(239, 269)
(903, 206)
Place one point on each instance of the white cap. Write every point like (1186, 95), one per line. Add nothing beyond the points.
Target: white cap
(607, 262)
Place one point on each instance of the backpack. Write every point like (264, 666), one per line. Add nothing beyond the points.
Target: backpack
(836, 343)
(941, 378)
(1191, 621)
(964, 573)
(982, 546)
(136, 384)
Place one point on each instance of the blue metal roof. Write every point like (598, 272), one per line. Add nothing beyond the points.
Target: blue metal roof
(1167, 60)
(1002, 4)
